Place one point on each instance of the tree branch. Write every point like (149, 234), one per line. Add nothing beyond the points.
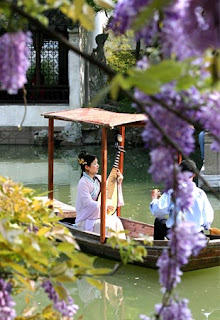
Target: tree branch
(111, 73)
(61, 39)
(172, 142)
(181, 115)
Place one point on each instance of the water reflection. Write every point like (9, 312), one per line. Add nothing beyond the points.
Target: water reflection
(108, 302)
(134, 290)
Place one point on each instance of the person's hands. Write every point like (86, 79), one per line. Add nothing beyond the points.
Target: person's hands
(155, 194)
(120, 176)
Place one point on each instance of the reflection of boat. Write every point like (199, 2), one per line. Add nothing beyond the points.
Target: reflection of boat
(110, 298)
(95, 244)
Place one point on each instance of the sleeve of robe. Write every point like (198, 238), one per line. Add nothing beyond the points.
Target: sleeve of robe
(160, 207)
(207, 213)
(86, 207)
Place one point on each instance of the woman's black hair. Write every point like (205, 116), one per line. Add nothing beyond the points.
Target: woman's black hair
(85, 158)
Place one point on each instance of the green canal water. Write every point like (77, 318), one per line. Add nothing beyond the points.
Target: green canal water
(132, 290)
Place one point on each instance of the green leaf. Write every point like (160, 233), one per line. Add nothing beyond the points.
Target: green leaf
(60, 268)
(64, 278)
(151, 79)
(119, 82)
(96, 283)
(99, 271)
(82, 260)
(147, 13)
(98, 98)
(87, 17)
(18, 268)
(26, 282)
(54, 3)
(106, 4)
(186, 82)
(62, 293)
(48, 312)
(38, 267)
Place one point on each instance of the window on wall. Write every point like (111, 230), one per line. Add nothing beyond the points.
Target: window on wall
(47, 75)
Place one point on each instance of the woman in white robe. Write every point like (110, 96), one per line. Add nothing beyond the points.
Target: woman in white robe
(87, 206)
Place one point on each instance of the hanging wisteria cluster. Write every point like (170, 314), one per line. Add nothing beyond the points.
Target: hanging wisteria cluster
(182, 22)
(66, 308)
(185, 23)
(190, 27)
(7, 310)
(125, 14)
(14, 61)
(170, 109)
(184, 242)
(186, 30)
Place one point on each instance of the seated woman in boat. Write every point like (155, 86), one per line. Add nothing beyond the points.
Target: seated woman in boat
(87, 204)
(201, 212)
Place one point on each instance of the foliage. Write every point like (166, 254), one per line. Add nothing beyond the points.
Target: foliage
(129, 249)
(119, 53)
(34, 246)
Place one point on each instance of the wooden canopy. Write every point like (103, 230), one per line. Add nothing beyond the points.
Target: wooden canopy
(99, 117)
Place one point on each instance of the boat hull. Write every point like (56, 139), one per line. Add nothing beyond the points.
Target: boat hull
(90, 243)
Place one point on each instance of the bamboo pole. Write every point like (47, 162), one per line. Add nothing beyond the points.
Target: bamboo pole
(103, 184)
(50, 158)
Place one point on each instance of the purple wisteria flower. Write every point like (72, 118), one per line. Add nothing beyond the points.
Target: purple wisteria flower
(163, 156)
(14, 60)
(162, 165)
(66, 308)
(176, 128)
(190, 27)
(169, 271)
(124, 16)
(199, 108)
(184, 242)
(6, 303)
(177, 310)
(183, 191)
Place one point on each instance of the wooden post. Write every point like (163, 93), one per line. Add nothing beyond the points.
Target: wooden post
(103, 184)
(121, 161)
(179, 158)
(50, 158)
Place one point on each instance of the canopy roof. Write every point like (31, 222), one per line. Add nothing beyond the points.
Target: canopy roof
(98, 117)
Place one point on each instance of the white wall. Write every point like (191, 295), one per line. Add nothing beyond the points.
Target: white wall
(12, 115)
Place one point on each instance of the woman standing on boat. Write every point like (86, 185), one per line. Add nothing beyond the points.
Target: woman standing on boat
(87, 204)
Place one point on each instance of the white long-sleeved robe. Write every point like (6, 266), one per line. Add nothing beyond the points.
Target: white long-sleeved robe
(88, 208)
(201, 212)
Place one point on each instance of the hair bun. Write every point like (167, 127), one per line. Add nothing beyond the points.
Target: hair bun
(82, 154)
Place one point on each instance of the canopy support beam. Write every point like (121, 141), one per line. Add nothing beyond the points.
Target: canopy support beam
(121, 161)
(103, 184)
(50, 158)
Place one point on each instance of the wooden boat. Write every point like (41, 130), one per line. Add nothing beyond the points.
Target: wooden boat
(90, 243)
(94, 243)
